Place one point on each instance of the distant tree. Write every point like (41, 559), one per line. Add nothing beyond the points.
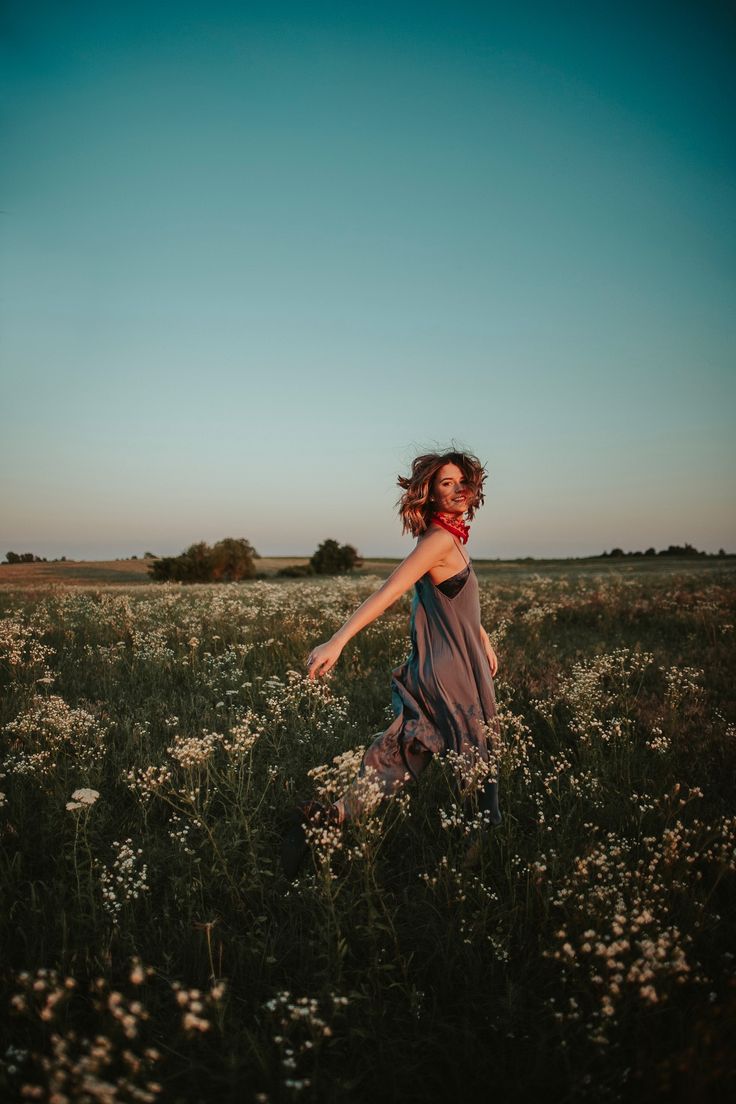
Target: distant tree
(617, 552)
(196, 566)
(12, 557)
(134, 557)
(192, 566)
(721, 551)
(228, 561)
(149, 556)
(166, 568)
(332, 558)
(232, 560)
(680, 550)
(650, 552)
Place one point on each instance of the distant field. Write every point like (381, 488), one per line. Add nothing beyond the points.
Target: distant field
(97, 573)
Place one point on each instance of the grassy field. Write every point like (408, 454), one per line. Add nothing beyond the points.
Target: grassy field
(96, 573)
(92, 573)
(153, 951)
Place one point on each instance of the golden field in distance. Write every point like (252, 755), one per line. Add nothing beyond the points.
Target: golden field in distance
(95, 573)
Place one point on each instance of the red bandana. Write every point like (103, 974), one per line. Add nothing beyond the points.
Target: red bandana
(453, 524)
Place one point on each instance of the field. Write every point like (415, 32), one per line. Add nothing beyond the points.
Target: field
(154, 738)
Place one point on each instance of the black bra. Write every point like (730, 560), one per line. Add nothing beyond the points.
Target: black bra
(455, 583)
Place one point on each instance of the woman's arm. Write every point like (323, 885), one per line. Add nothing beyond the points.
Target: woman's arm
(430, 551)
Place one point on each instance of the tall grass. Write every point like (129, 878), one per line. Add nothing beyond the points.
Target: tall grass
(153, 949)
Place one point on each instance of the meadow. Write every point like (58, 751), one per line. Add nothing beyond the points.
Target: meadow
(154, 738)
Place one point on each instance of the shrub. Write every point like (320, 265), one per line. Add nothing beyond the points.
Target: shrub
(230, 560)
(332, 558)
(297, 570)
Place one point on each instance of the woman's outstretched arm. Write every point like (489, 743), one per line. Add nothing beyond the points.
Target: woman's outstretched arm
(430, 551)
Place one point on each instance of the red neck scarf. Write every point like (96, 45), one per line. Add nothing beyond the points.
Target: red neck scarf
(454, 524)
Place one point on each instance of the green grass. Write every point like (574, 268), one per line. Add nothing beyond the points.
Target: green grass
(388, 970)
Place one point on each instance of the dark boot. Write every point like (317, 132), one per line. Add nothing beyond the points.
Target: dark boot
(488, 803)
(485, 801)
(295, 846)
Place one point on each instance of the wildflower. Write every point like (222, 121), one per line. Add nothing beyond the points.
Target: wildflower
(85, 796)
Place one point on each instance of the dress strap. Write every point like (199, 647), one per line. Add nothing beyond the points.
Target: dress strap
(463, 554)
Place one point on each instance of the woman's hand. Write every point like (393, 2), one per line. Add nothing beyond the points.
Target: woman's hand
(490, 654)
(323, 658)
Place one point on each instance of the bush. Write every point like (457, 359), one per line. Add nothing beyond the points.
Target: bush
(229, 561)
(297, 571)
(332, 558)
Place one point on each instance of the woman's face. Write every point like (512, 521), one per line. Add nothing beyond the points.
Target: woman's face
(450, 490)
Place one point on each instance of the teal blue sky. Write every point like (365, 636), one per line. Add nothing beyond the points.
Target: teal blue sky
(255, 257)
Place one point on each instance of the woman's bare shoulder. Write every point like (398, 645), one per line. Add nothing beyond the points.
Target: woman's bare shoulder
(437, 538)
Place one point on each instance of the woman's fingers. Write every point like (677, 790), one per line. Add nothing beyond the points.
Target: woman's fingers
(492, 660)
(318, 666)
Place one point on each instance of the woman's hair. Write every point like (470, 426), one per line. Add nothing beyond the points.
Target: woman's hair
(414, 506)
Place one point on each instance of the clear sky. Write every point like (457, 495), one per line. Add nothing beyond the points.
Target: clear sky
(256, 256)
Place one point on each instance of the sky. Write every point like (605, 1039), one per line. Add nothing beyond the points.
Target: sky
(255, 257)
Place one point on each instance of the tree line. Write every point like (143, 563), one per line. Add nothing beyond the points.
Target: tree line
(679, 550)
(231, 560)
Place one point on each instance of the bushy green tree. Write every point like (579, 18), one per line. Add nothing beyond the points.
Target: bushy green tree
(232, 560)
(332, 558)
(228, 561)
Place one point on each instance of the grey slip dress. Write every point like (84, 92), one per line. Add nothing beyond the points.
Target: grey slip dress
(442, 695)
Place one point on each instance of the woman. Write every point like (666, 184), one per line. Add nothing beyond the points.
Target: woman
(443, 694)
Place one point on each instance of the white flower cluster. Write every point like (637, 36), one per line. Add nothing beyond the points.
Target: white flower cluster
(197, 1005)
(301, 1028)
(194, 751)
(332, 779)
(179, 832)
(125, 880)
(620, 901)
(471, 770)
(112, 1066)
(20, 647)
(48, 728)
(83, 798)
(468, 824)
(146, 781)
(151, 645)
(243, 734)
(362, 794)
(593, 685)
(683, 683)
(658, 742)
(310, 699)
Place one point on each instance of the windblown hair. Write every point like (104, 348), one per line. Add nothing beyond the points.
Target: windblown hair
(414, 506)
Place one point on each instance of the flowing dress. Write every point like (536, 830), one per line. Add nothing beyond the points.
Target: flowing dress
(442, 695)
